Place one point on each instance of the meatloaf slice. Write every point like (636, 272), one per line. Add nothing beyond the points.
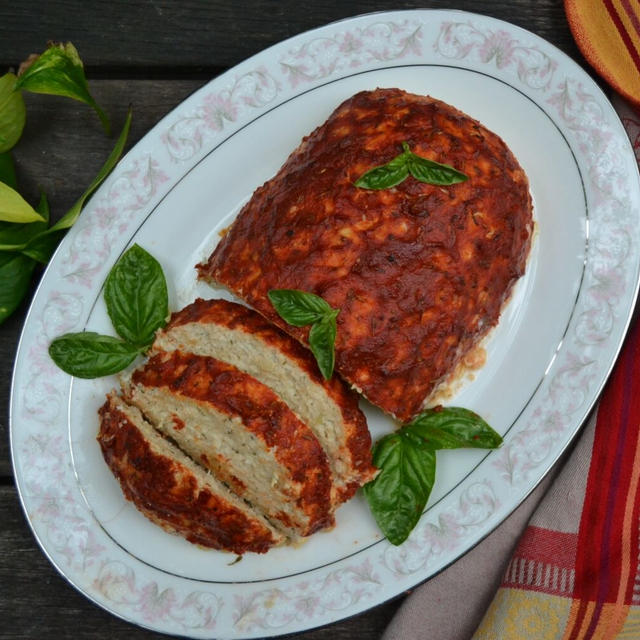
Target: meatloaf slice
(174, 492)
(420, 272)
(239, 429)
(238, 335)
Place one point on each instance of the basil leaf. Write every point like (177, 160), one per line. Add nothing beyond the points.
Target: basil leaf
(8, 171)
(322, 338)
(72, 215)
(432, 172)
(59, 71)
(12, 112)
(408, 163)
(298, 308)
(136, 296)
(453, 428)
(15, 277)
(91, 355)
(385, 176)
(399, 493)
(407, 463)
(14, 208)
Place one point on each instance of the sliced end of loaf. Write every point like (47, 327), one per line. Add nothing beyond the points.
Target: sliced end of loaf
(236, 334)
(174, 492)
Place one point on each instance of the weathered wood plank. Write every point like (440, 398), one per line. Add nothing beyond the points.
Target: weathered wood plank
(211, 34)
(37, 602)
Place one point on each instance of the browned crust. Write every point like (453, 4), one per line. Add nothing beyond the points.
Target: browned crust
(237, 317)
(236, 394)
(170, 495)
(419, 272)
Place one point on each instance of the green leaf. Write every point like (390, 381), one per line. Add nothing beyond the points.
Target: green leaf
(399, 493)
(298, 308)
(15, 276)
(322, 338)
(407, 463)
(8, 171)
(136, 296)
(91, 355)
(14, 208)
(432, 172)
(385, 176)
(12, 112)
(43, 246)
(39, 242)
(59, 71)
(453, 428)
(15, 237)
(408, 163)
(72, 215)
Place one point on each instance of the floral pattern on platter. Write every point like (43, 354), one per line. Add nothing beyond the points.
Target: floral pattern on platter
(276, 608)
(55, 508)
(118, 583)
(188, 135)
(130, 191)
(430, 539)
(611, 226)
(46, 478)
(458, 40)
(348, 50)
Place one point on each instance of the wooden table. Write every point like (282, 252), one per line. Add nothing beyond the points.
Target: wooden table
(151, 54)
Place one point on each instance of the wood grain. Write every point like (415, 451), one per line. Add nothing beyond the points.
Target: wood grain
(198, 36)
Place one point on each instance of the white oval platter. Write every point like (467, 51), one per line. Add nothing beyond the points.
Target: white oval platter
(185, 180)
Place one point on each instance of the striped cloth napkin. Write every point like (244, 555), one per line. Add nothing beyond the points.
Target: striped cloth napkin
(608, 34)
(566, 564)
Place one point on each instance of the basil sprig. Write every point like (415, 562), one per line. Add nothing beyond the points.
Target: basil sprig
(407, 462)
(137, 302)
(300, 309)
(409, 164)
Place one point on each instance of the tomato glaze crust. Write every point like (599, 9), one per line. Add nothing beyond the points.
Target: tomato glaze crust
(419, 272)
(240, 318)
(216, 384)
(170, 495)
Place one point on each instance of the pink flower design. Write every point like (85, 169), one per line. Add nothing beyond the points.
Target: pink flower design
(217, 109)
(155, 604)
(499, 46)
(348, 43)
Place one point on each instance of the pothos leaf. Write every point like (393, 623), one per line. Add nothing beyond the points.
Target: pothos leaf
(59, 71)
(12, 112)
(15, 276)
(14, 208)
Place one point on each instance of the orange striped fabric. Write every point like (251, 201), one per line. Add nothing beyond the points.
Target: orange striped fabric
(608, 34)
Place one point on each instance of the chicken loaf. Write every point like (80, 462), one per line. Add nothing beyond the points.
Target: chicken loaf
(242, 408)
(419, 272)
(173, 491)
